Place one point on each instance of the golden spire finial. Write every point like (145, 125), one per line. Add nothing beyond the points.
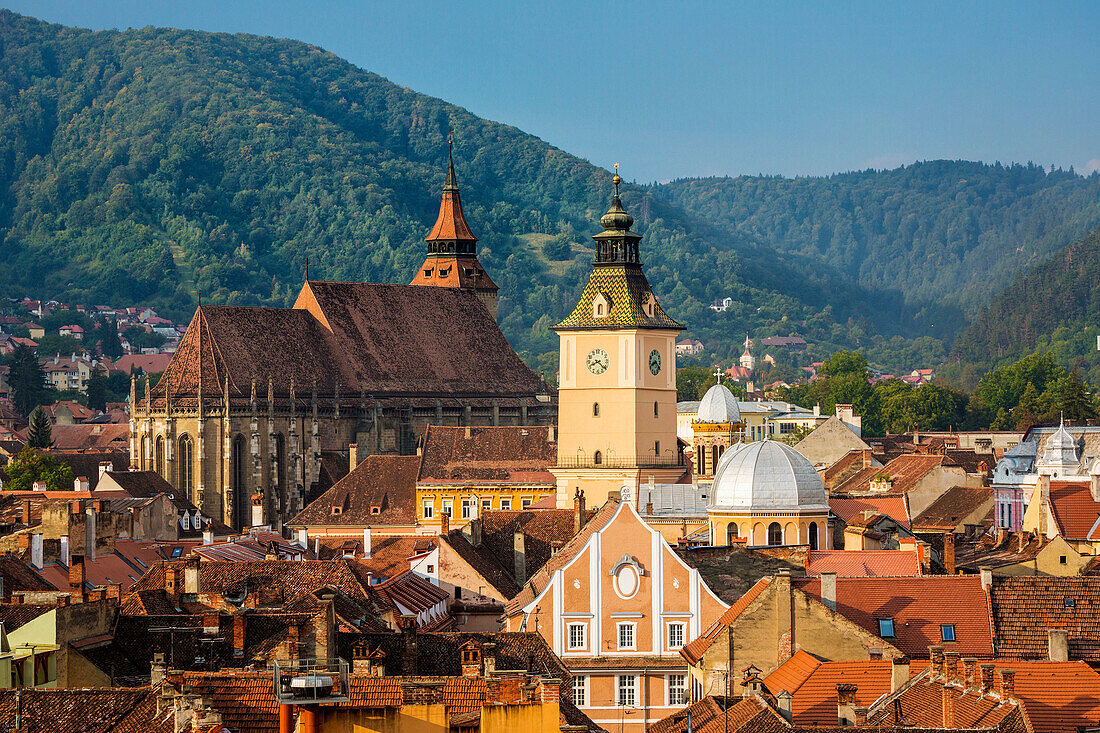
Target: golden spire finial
(616, 180)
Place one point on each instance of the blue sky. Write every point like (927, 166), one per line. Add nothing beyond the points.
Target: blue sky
(682, 89)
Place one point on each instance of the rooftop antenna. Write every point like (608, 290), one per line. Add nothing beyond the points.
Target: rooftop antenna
(307, 268)
(200, 297)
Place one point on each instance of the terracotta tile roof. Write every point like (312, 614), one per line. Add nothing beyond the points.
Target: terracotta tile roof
(411, 593)
(479, 455)
(953, 505)
(14, 615)
(918, 606)
(536, 583)
(106, 568)
(453, 271)
(108, 436)
(484, 561)
(1014, 548)
(390, 554)
(814, 701)
(863, 563)
(695, 649)
(847, 466)
(723, 715)
(731, 571)
(245, 698)
(792, 673)
(17, 576)
(1025, 607)
(921, 706)
(380, 491)
(895, 506)
(148, 363)
(79, 710)
(545, 532)
(1075, 511)
(905, 470)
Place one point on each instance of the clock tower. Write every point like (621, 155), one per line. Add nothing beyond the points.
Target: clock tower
(617, 375)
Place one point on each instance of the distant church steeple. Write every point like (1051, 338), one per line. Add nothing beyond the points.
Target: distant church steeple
(452, 248)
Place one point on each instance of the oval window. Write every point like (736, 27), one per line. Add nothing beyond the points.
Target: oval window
(626, 581)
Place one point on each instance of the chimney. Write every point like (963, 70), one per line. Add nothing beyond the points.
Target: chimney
(89, 533)
(578, 511)
(169, 580)
(489, 657)
(866, 459)
(26, 518)
(104, 467)
(1044, 503)
(948, 706)
(1002, 535)
(470, 661)
(210, 624)
(191, 575)
(986, 574)
(257, 509)
(238, 635)
(519, 558)
(552, 434)
(949, 553)
(158, 670)
(292, 642)
(444, 523)
(970, 673)
(549, 690)
(407, 624)
(783, 702)
(65, 550)
(1008, 684)
(828, 590)
(899, 673)
(81, 483)
(208, 536)
(987, 676)
(366, 541)
(36, 550)
(353, 456)
(950, 667)
(845, 704)
(935, 654)
(76, 579)
(475, 531)
(360, 657)
(1057, 644)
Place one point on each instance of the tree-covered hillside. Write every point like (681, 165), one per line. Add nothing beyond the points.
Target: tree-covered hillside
(1054, 306)
(949, 232)
(146, 165)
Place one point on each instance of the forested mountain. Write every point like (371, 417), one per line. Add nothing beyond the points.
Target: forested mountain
(949, 232)
(146, 165)
(1054, 306)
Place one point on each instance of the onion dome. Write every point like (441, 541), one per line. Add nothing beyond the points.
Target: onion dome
(719, 405)
(767, 476)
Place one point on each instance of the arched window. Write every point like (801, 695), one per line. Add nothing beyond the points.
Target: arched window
(655, 409)
(278, 471)
(731, 533)
(240, 481)
(595, 409)
(714, 455)
(597, 458)
(158, 463)
(775, 534)
(145, 456)
(813, 535)
(186, 467)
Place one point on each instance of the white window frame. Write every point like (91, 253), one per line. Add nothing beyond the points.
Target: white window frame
(505, 503)
(569, 635)
(448, 508)
(467, 507)
(668, 634)
(486, 505)
(427, 507)
(580, 685)
(526, 502)
(630, 699)
(619, 627)
(682, 688)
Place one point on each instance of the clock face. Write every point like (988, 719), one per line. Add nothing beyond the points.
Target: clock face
(654, 362)
(597, 361)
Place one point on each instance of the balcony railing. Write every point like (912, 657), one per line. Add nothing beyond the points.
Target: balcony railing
(309, 681)
(586, 461)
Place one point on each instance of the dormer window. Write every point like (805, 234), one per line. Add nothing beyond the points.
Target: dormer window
(650, 306)
(337, 510)
(428, 271)
(886, 628)
(376, 510)
(601, 306)
(444, 271)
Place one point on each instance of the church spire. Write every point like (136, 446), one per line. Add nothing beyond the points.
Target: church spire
(452, 248)
(616, 243)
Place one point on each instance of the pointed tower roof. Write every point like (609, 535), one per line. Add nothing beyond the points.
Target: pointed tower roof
(451, 226)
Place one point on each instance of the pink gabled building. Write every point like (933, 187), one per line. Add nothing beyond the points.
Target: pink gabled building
(617, 604)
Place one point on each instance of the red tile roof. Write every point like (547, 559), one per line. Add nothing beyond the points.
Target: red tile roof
(695, 649)
(814, 701)
(1075, 511)
(381, 490)
(906, 471)
(952, 507)
(479, 455)
(792, 673)
(895, 506)
(82, 710)
(863, 563)
(918, 606)
(723, 715)
(1025, 607)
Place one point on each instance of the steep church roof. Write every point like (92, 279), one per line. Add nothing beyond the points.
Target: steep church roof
(382, 340)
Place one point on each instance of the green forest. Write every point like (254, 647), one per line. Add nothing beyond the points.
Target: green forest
(150, 165)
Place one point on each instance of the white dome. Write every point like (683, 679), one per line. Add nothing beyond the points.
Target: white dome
(719, 406)
(767, 476)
